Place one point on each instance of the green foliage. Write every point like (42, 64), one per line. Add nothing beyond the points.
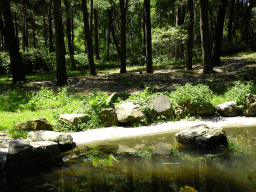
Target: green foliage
(199, 94)
(237, 147)
(38, 60)
(165, 39)
(5, 63)
(237, 93)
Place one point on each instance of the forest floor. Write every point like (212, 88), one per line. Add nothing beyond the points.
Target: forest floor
(232, 69)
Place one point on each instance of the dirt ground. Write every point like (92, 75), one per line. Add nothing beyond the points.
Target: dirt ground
(231, 69)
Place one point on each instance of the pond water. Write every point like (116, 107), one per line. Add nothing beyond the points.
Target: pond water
(151, 163)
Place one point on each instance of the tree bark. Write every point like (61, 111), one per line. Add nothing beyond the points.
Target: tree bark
(149, 65)
(11, 42)
(50, 28)
(68, 23)
(32, 22)
(45, 31)
(123, 37)
(24, 28)
(88, 39)
(230, 20)
(205, 38)
(218, 35)
(190, 35)
(96, 36)
(60, 46)
(113, 31)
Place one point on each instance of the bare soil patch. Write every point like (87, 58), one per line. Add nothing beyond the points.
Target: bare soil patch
(231, 69)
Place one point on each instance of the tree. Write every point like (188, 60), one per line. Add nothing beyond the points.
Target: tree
(7, 29)
(218, 35)
(205, 37)
(123, 36)
(230, 20)
(96, 37)
(60, 46)
(148, 37)
(50, 28)
(88, 39)
(190, 35)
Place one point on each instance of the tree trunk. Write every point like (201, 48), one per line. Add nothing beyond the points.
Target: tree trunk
(230, 21)
(149, 64)
(32, 22)
(68, 23)
(205, 38)
(91, 18)
(190, 35)
(88, 39)
(11, 43)
(60, 46)
(96, 36)
(24, 28)
(218, 35)
(123, 37)
(144, 32)
(113, 31)
(50, 28)
(45, 31)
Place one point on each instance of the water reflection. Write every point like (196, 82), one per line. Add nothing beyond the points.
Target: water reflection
(154, 163)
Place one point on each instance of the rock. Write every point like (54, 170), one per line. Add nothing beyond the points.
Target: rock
(64, 140)
(250, 106)
(205, 109)
(162, 148)
(36, 124)
(161, 106)
(28, 156)
(126, 149)
(228, 109)
(202, 137)
(182, 110)
(73, 119)
(109, 115)
(128, 112)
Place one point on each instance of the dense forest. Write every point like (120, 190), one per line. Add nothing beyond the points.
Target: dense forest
(55, 35)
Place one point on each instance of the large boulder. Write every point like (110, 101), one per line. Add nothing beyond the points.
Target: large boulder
(36, 124)
(29, 156)
(161, 106)
(162, 148)
(109, 115)
(202, 137)
(129, 112)
(73, 119)
(229, 109)
(64, 140)
(250, 106)
(205, 109)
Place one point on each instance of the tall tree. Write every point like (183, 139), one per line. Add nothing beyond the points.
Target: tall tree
(69, 38)
(50, 28)
(230, 20)
(96, 36)
(123, 36)
(149, 64)
(88, 39)
(205, 37)
(112, 29)
(190, 35)
(218, 35)
(11, 42)
(60, 46)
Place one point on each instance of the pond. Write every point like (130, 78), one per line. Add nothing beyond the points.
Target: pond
(151, 163)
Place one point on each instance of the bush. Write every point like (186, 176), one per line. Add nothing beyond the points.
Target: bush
(5, 63)
(237, 93)
(199, 94)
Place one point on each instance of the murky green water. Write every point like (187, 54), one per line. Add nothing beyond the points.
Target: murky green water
(152, 163)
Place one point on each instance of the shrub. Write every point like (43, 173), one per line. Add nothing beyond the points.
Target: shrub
(237, 93)
(5, 63)
(199, 94)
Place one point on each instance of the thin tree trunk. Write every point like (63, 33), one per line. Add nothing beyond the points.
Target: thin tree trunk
(96, 36)
(218, 35)
(68, 23)
(25, 28)
(190, 35)
(45, 31)
(88, 39)
(60, 46)
(12, 43)
(144, 32)
(230, 21)
(113, 31)
(149, 64)
(50, 28)
(123, 37)
(33, 29)
(91, 18)
(109, 29)
(205, 37)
